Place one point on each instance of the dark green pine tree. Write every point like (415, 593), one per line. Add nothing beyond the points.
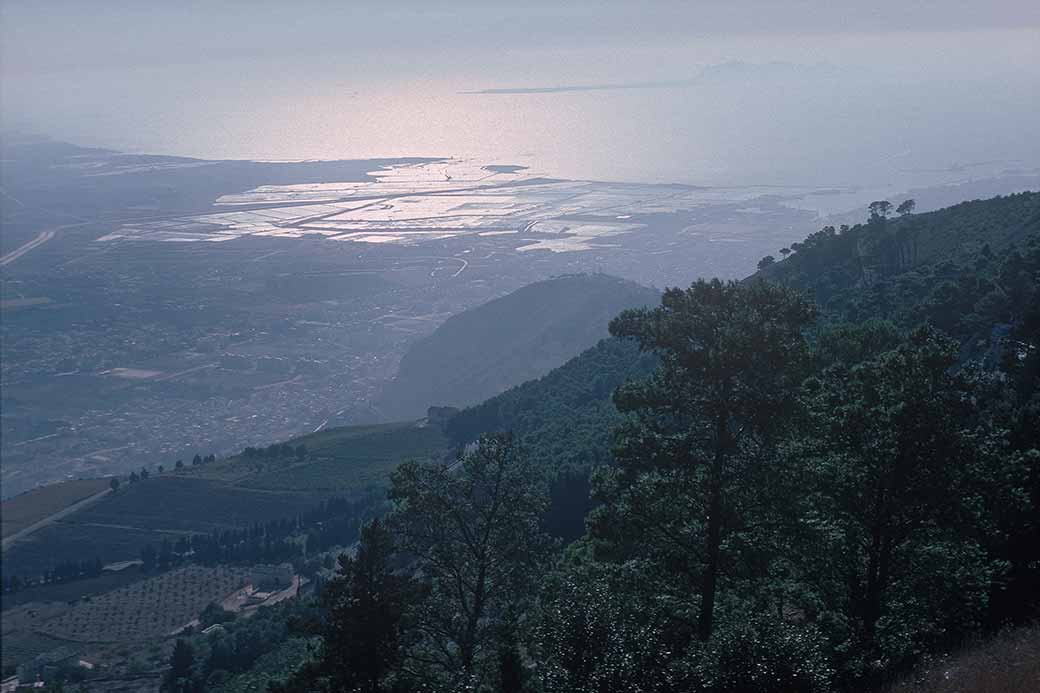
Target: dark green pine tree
(366, 603)
(909, 482)
(179, 677)
(732, 356)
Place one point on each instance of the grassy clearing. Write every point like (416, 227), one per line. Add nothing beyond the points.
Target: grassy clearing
(32, 506)
(326, 475)
(117, 527)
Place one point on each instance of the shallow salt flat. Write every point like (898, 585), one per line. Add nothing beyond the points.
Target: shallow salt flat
(459, 224)
(447, 170)
(415, 203)
(373, 238)
(574, 236)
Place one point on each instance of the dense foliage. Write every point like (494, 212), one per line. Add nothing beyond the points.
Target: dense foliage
(469, 539)
(965, 269)
(785, 502)
(564, 421)
(211, 662)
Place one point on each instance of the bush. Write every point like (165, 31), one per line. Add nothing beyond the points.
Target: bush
(762, 655)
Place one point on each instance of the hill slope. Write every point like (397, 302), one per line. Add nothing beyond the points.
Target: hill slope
(978, 262)
(484, 351)
(977, 265)
(565, 418)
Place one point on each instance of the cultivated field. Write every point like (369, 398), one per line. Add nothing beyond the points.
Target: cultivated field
(76, 589)
(32, 506)
(117, 527)
(230, 493)
(21, 642)
(174, 503)
(351, 459)
(148, 609)
(69, 541)
(23, 646)
(343, 459)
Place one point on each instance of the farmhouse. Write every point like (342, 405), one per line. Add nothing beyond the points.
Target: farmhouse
(271, 577)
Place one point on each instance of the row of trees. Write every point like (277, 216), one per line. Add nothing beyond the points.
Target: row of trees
(66, 571)
(115, 484)
(334, 522)
(879, 211)
(781, 515)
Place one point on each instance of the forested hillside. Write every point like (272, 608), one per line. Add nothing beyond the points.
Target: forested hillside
(564, 418)
(812, 480)
(964, 269)
(780, 514)
(969, 270)
(486, 350)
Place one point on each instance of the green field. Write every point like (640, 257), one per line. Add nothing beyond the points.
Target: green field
(352, 458)
(69, 541)
(346, 459)
(173, 503)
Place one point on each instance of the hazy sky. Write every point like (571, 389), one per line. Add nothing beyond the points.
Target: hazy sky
(45, 36)
(360, 79)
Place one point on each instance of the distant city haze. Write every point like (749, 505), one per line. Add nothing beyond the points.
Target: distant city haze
(706, 93)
